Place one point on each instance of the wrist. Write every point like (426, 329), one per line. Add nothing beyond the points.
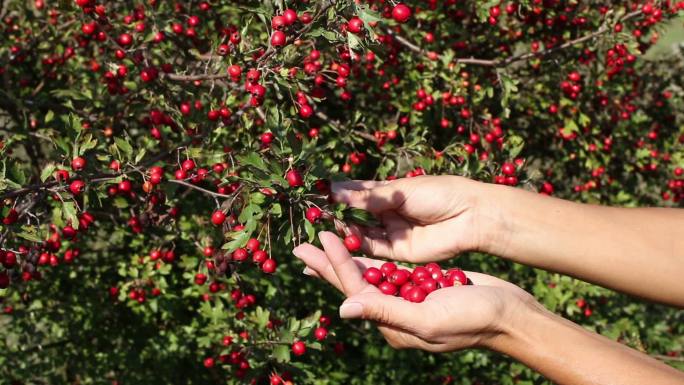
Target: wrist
(516, 328)
(494, 228)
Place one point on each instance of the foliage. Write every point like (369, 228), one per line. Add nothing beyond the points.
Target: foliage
(126, 279)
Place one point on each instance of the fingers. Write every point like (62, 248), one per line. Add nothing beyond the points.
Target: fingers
(342, 263)
(317, 264)
(370, 196)
(384, 309)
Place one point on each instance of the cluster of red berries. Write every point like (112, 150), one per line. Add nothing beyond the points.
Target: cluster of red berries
(508, 173)
(259, 256)
(573, 85)
(413, 285)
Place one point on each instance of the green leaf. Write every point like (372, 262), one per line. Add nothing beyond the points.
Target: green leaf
(516, 145)
(49, 116)
(17, 173)
(360, 216)
(29, 233)
(69, 213)
(310, 231)
(239, 240)
(47, 172)
(253, 159)
(124, 146)
(281, 353)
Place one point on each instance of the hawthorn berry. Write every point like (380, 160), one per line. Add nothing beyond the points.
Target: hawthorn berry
(401, 13)
(78, 163)
(290, 16)
(218, 217)
(355, 25)
(259, 256)
(278, 39)
(240, 254)
(313, 214)
(253, 244)
(352, 242)
(269, 266)
(294, 178)
(416, 294)
(373, 276)
(298, 348)
(387, 288)
(76, 187)
(320, 333)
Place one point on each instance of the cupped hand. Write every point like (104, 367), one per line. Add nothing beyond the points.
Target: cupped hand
(423, 219)
(449, 319)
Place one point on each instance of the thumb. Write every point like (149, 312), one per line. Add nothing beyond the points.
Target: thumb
(382, 308)
(376, 199)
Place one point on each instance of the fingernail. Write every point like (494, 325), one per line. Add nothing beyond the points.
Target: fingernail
(351, 310)
(295, 251)
(307, 271)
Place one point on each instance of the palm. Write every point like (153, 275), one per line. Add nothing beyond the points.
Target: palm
(458, 316)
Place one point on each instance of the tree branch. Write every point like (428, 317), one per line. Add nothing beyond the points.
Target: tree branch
(198, 188)
(516, 58)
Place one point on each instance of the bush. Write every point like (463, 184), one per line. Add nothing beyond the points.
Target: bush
(158, 160)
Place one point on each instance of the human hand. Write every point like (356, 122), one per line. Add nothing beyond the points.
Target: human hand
(424, 219)
(478, 315)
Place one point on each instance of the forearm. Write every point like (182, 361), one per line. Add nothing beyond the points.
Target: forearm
(565, 353)
(636, 251)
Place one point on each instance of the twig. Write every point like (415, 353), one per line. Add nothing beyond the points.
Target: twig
(198, 188)
(603, 29)
(516, 58)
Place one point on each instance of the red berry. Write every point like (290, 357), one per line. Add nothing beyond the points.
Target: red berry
(373, 276)
(320, 333)
(399, 277)
(313, 214)
(416, 294)
(355, 25)
(352, 243)
(200, 279)
(234, 71)
(429, 285)
(419, 274)
(78, 163)
(76, 187)
(294, 178)
(188, 165)
(209, 362)
(387, 288)
(278, 39)
(298, 348)
(401, 13)
(508, 169)
(305, 111)
(457, 275)
(240, 254)
(278, 22)
(125, 39)
(218, 217)
(259, 256)
(387, 268)
(180, 174)
(290, 16)
(404, 290)
(269, 266)
(253, 244)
